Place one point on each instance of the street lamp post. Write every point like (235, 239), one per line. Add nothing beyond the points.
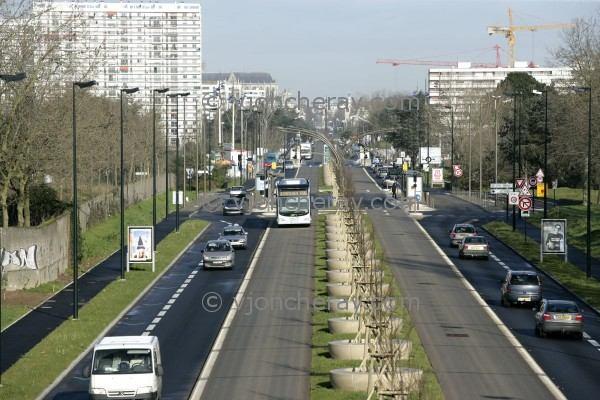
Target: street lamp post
(588, 256)
(154, 91)
(176, 96)
(122, 202)
(545, 93)
(74, 211)
(514, 156)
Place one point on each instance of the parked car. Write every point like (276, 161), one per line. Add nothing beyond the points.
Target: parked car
(233, 206)
(520, 287)
(237, 191)
(218, 254)
(474, 246)
(236, 235)
(461, 231)
(559, 316)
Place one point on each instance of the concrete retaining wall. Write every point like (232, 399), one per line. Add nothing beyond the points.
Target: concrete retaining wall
(32, 256)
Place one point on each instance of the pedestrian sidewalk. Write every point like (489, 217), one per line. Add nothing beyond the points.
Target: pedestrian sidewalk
(26, 333)
(576, 256)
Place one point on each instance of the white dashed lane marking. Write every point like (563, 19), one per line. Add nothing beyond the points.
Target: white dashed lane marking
(170, 302)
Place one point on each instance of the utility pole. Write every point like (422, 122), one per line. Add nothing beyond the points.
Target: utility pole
(470, 151)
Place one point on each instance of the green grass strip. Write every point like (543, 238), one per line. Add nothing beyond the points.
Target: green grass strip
(322, 363)
(566, 273)
(38, 368)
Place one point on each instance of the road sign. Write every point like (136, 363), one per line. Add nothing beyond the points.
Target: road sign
(525, 202)
(501, 191)
(458, 172)
(525, 214)
(402, 154)
(520, 183)
(273, 165)
(513, 198)
(532, 181)
(525, 191)
(540, 174)
(428, 159)
(418, 197)
(540, 189)
(437, 176)
(497, 188)
(405, 167)
(555, 184)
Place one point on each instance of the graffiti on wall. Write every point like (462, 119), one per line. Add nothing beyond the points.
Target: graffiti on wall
(18, 259)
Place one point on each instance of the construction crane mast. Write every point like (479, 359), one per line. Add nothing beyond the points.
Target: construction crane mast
(509, 33)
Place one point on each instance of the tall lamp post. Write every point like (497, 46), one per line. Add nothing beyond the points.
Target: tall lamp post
(154, 91)
(176, 97)
(123, 91)
(545, 93)
(496, 98)
(588, 255)
(451, 146)
(16, 78)
(514, 155)
(74, 213)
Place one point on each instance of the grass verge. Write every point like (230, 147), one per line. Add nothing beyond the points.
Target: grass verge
(38, 368)
(566, 273)
(322, 363)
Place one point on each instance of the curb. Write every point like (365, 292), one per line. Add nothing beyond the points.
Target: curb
(63, 374)
(534, 265)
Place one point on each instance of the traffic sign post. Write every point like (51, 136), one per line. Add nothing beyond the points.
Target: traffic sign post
(458, 172)
(513, 198)
(525, 203)
(520, 183)
(532, 181)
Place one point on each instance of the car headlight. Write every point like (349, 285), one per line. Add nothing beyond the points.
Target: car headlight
(144, 390)
(97, 391)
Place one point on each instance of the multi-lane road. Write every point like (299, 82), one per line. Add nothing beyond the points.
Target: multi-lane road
(572, 365)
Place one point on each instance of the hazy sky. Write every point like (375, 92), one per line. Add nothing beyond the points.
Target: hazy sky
(329, 47)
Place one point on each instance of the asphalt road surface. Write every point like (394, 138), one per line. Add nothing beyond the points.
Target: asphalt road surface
(267, 352)
(188, 328)
(573, 365)
(470, 355)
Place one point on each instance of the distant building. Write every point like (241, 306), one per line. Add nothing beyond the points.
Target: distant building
(456, 86)
(142, 44)
(253, 86)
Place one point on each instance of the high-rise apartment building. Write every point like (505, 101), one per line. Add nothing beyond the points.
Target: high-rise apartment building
(125, 44)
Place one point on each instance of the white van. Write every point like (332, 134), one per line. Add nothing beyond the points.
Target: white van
(126, 367)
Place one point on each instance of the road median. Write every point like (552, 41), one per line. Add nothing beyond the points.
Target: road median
(40, 367)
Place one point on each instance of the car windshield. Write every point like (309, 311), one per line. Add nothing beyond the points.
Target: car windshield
(562, 308)
(231, 202)
(464, 229)
(236, 188)
(524, 279)
(293, 206)
(475, 239)
(217, 246)
(122, 361)
(232, 231)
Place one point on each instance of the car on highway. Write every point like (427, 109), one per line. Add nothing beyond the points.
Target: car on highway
(218, 254)
(474, 246)
(559, 316)
(233, 206)
(461, 231)
(288, 164)
(237, 191)
(236, 235)
(519, 287)
(128, 365)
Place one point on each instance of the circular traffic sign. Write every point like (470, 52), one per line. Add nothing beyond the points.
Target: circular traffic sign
(525, 203)
(532, 181)
(458, 172)
(418, 197)
(513, 199)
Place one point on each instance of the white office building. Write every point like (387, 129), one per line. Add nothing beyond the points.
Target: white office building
(251, 86)
(457, 86)
(126, 44)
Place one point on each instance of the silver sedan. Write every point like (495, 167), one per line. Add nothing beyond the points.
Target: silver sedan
(218, 254)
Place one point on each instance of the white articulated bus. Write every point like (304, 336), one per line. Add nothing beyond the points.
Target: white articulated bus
(293, 202)
(306, 150)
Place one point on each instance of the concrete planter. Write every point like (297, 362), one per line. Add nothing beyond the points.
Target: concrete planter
(353, 380)
(339, 290)
(355, 350)
(350, 325)
(341, 306)
(336, 245)
(342, 325)
(339, 276)
(350, 379)
(333, 264)
(337, 254)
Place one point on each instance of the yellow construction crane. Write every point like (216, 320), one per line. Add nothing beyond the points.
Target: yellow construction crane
(509, 33)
